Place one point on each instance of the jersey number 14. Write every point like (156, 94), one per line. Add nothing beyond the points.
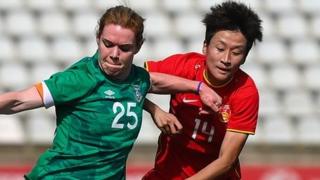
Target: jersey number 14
(203, 129)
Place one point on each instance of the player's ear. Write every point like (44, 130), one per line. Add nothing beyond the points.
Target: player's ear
(97, 40)
(204, 48)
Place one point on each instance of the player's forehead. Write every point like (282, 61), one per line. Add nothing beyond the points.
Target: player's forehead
(230, 38)
(118, 34)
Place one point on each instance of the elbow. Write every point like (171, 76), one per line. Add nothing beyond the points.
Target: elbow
(12, 108)
(8, 111)
(227, 165)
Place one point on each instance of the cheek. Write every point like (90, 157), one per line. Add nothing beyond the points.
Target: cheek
(212, 58)
(238, 61)
(126, 58)
(236, 65)
(104, 52)
(130, 59)
(211, 67)
(210, 63)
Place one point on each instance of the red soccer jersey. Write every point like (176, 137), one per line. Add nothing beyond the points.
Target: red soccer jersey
(180, 156)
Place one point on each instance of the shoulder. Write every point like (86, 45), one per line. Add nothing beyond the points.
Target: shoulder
(141, 74)
(183, 65)
(187, 61)
(245, 78)
(139, 69)
(245, 85)
(82, 65)
(73, 83)
(78, 74)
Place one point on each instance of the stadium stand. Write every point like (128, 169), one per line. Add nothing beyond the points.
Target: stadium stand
(40, 37)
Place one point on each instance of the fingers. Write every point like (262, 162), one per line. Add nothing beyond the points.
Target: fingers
(171, 126)
(175, 127)
(169, 129)
(167, 123)
(210, 98)
(172, 129)
(178, 125)
(205, 111)
(165, 130)
(209, 110)
(214, 106)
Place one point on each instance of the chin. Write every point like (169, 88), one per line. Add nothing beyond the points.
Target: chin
(223, 78)
(220, 76)
(112, 73)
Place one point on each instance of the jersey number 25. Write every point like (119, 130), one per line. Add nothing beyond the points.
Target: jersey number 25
(121, 111)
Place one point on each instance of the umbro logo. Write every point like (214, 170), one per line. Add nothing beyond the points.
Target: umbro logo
(109, 94)
(185, 100)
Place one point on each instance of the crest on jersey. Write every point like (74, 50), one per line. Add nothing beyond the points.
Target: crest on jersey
(225, 113)
(137, 91)
(197, 66)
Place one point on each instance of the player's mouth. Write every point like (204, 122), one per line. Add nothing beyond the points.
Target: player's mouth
(113, 65)
(110, 67)
(223, 70)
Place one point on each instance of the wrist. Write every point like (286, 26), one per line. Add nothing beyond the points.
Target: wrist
(199, 87)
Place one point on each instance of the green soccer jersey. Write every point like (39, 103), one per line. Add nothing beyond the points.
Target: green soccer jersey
(98, 120)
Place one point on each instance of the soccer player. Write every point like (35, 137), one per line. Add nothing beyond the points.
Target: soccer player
(209, 145)
(99, 102)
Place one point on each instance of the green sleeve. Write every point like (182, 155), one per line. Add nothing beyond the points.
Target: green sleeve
(70, 85)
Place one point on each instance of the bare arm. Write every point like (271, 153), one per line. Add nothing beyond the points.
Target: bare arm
(231, 147)
(168, 84)
(14, 102)
(165, 121)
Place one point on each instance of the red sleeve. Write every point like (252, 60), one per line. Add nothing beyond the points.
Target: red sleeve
(179, 65)
(245, 111)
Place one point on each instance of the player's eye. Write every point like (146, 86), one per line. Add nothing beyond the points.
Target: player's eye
(220, 49)
(236, 53)
(108, 44)
(122, 47)
(126, 47)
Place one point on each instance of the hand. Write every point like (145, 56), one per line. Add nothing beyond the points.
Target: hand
(166, 122)
(205, 111)
(210, 98)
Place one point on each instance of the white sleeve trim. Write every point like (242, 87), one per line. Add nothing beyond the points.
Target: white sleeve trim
(47, 97)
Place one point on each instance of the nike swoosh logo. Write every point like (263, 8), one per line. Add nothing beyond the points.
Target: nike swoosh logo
(185, 100)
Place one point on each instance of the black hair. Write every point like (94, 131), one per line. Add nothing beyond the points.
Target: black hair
(233, 16)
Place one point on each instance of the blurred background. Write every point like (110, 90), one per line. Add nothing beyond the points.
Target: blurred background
(40, 37)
